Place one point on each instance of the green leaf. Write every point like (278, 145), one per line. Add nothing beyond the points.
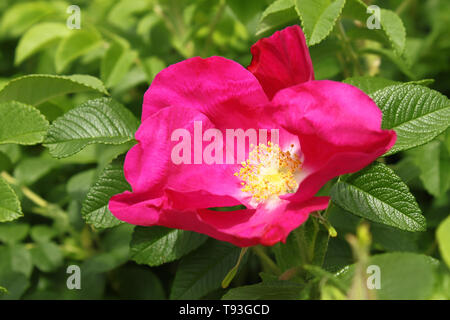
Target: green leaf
(78, 43)
(279, 13)
(17, 258)
(203, 271)
(433, 160)
(116, 63)
(158, 245)
(95, 121)
(417, 114)
(15, 283)
(21, 16)
(318, 17)
(443, 238)
(394, 29)
(95, 208)
(355, 9)
(390, 22)
(13, 232)
(270, 290)
(47, 256)
(37, 38)
(378, 194)
(391, 239)
(10, 208)
(42, 233)
(21, 124)
(404, 276)
(37, 88)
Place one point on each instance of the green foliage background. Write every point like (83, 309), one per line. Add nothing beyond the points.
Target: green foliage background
(58, 172)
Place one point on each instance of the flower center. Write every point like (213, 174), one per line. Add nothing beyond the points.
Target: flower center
(269, 172)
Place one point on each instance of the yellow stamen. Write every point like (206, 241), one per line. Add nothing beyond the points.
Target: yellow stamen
(269, 172)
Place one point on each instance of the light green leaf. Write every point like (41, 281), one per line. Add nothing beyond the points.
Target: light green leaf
(42, 233)
(15, 269)
(95, 208)
(21, 16)
(47, 256)
(443, 238)
(78, 43)
(95, 121)
(394, 29)
(21, 124)
(17, 258)
(404, 276)
(10, 208)
(279, 13)
(318, 17)
(390, 22)
(270, 290)
(355, 9)
(36, 88)
(433, 160)
(158, 245)
(203, 271)
(116, 63)
(417, 114)
(378, 194)
(37, 38)
(13, 232)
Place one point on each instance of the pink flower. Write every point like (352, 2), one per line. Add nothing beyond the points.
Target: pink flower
(325, 129)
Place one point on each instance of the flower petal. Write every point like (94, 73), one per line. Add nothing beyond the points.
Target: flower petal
(151, 168)
(262, 225)
(339, 128)
(214, 86)
(281, 60)
(243, 228)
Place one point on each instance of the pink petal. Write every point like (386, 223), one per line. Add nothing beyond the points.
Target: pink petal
(262, 225)
(339, 128)
(242, 228)
(281, 60)
(150, 168)
(215, 86)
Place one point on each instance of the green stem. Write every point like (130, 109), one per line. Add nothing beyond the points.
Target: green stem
(266, 259)
(349, 49)
(35, 198)
(213, 26)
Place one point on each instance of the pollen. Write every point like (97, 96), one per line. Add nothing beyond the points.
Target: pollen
(269, 172)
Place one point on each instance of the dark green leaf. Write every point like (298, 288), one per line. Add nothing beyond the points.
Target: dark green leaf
(203, 271)
(95, 208)
(34, 89)
(377, 194)
(158, 245)
(95, 121)
(417, 114)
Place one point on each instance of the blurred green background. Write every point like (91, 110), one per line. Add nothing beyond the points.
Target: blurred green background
(125, 44)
